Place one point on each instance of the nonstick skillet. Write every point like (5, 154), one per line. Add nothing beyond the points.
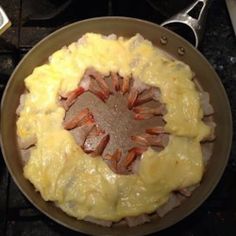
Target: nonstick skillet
(127, 27)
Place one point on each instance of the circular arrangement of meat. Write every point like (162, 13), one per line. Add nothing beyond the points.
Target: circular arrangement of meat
(114, 139)
(115, 117)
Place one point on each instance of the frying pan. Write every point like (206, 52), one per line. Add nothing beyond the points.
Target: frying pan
(126, 27)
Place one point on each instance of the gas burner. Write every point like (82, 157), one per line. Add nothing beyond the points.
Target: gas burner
(45, 10)
(166, 8)
(52, 13)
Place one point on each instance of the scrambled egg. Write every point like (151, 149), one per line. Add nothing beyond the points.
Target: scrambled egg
(83, 186)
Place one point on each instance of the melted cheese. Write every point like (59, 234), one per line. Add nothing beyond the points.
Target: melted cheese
(83, 186)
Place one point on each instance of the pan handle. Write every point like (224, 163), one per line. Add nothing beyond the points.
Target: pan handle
(194, 17)
(4, 21)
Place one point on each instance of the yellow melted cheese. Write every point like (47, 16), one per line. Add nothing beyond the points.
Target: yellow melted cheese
(83, 186)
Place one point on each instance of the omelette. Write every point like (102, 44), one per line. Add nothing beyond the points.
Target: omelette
(86, 187)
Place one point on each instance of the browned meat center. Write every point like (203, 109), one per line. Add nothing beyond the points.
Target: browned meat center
(115, 117)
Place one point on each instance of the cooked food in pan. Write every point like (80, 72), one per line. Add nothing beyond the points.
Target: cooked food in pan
(114, 129)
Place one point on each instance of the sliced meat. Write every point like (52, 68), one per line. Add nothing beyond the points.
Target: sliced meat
(27, 142)
(205, 104)
(137, 220)
(173, 202)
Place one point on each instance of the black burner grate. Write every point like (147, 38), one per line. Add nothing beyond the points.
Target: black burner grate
(33, 20)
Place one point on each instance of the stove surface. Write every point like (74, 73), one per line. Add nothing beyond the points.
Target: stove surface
(33, 20)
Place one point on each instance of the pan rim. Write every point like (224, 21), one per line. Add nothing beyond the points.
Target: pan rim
(58, 31)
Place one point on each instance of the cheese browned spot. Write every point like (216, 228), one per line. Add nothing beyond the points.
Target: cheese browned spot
(84, 186)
